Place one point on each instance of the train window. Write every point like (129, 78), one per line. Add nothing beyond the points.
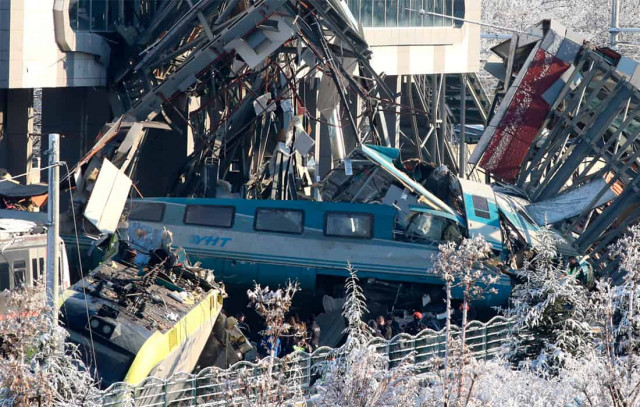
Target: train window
(206, 215)
(19, 272)
(5, 281)
(481, 207)
(279, 220)
(344, 224)
(147, 211)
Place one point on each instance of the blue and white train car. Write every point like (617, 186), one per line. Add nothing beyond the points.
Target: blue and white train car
(271, 241)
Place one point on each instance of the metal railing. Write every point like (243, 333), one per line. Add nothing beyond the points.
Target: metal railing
(213, 386)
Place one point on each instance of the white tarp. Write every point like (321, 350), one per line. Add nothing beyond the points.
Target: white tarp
(108, 198)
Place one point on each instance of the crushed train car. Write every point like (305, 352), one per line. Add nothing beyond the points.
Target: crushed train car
(134, 319)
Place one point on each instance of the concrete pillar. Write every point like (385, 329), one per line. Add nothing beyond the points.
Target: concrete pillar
(16, 146)
(3, 108)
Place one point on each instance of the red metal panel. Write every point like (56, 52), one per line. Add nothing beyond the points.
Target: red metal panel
(523, 118)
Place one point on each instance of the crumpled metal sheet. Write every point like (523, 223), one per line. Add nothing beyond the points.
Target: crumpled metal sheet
(519, 124)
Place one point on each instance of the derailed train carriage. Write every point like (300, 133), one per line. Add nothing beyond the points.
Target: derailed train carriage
(135, 319)
(376, 215)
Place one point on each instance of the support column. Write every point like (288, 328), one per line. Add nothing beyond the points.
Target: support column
(398, 110)
(433, 140)
(442, 115)
(16, 146)
(615, 12)
(462, 154)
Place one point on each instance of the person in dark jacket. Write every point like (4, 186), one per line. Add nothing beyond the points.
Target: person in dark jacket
(415, 326)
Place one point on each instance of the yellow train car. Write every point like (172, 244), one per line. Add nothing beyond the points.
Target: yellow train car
(133, 322)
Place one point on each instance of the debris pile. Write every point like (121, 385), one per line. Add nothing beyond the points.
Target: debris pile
(565, 136)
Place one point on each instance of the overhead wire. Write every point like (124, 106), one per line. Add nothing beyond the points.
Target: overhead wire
(84, 288)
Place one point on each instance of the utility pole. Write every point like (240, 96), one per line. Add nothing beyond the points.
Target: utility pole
(53, 227)
(615, 11)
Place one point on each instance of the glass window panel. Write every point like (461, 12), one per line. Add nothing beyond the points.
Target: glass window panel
(426, 227)
(147, 211)
(403, 14)
(481, 206)
(34, 270)
(392, 13)
(216, 216)
(113, 14)
(73, 14)
(439, 9)
(458, 11)
(99, 15)
(480, 203)
(5, 280)
(279, 220)
(18, 278)
(349, 225)
(83, 16)
(19, 272)
(366, 13)
(379, 11)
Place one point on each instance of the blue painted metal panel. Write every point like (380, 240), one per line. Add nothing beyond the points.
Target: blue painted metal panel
(484, 220)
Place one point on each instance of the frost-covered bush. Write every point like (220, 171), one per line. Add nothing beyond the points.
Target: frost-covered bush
(609, 373)
(550, 310)
(462, 265)
(276, 384)
(37, 367)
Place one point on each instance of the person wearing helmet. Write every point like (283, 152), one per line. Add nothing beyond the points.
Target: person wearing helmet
(415, 326)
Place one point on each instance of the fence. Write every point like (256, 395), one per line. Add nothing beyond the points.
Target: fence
(218, 387)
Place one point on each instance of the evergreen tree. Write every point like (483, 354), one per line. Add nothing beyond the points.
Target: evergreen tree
(550, 311)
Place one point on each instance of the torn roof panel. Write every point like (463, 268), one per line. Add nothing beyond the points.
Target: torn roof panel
(384, 156)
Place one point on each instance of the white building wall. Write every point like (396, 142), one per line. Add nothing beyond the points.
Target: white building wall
(427, 50)
(34, 58)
